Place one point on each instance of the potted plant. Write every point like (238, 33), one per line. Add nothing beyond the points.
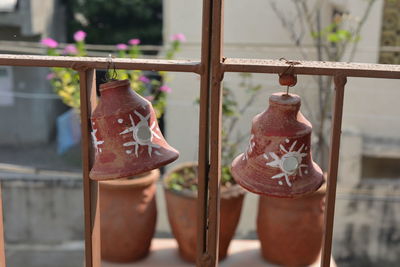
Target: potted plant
(127, 206)
(180, 184)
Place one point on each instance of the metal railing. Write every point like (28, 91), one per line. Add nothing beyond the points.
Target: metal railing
(211, 69)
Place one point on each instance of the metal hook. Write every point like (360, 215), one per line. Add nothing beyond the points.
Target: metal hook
(291, 65)
(111, 64)
(288, 70)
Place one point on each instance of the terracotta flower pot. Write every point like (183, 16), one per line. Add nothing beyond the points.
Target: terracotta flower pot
(182, 216)
(128, 215)
(290, 230)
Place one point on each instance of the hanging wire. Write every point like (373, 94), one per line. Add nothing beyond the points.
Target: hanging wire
(111, 64)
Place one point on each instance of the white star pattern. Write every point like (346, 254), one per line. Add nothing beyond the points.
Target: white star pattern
(96, 143)
(142, 134)
(289, 163)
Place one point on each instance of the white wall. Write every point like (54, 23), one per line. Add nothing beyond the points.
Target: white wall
(371, 109)
(252, 30)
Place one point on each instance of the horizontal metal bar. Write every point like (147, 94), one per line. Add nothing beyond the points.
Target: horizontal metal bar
(100, 63)
(229, 65)
(87, 46)
(313, 68)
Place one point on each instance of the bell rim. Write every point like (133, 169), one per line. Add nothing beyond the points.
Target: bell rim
(112, 176)
(239, 180)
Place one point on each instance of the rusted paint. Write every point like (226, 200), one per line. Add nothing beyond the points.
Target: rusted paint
(91, 204)
(340, 82)
(216, 38)
(313, 68)
(204, 116)
(83, 63)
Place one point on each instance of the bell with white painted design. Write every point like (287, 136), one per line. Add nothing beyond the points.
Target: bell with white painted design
(278, 159)
(125, 134)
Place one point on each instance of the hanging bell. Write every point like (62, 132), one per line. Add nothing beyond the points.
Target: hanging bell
(278, 159)
(125, 134)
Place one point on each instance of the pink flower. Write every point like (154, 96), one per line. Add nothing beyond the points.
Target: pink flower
(79, 36)
(144, 79)
(50, 43)
(134, 41)
(178, 37)
(70, 50)
(121, 46)
(165, 89)
(50, 76)
(149, 97)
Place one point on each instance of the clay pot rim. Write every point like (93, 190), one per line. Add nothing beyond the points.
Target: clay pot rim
(226, 192)
(139, 180)
(114, 84)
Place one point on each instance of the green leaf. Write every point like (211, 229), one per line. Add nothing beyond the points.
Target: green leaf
(343, 35)
(333, 38)
(176, 187)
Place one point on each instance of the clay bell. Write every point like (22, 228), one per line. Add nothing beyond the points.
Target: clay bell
(278, 159)
(125, 134)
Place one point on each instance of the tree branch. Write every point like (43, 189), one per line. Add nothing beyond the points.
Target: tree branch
(359, 27)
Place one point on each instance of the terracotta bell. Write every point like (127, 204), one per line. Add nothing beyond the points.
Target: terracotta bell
(125, 134)
(278, 160)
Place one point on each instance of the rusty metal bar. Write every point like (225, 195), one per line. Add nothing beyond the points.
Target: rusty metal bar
(100, 63)
(88, 103)
(230, 65)
(2, 247)
(313, 68)
(216, 35)
(340, 82)
(203, 165)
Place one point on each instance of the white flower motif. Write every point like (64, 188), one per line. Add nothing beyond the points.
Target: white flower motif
(249, 148)
(142, 135)
(96, 143)
(289, 163)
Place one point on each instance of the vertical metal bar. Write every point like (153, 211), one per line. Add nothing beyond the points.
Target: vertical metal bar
(340, 82)
(2, 247)
(92, 230)
(216, 128)
(202, 197)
